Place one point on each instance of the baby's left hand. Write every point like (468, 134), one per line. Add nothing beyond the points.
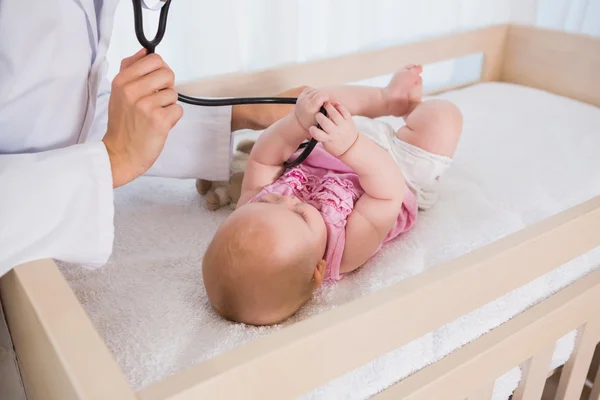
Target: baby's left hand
(308, 105)
(338, 132)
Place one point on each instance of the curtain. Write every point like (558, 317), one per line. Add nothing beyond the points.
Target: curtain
(579, 16)
(207, 37)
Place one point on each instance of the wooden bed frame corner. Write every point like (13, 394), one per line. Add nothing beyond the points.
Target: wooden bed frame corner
(62, 356)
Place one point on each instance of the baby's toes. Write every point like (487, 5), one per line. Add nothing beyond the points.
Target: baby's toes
(414, 69)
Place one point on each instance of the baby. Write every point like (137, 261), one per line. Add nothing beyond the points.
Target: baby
(360, 187)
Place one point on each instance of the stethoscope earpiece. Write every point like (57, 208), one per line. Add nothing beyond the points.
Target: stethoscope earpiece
(150, 45)
(153, 5)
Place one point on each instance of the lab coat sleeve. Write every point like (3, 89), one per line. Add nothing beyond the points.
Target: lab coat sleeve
(199, 146)
(56, 204)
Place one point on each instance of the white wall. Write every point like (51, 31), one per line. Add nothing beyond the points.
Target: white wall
(211, 37)
(581, 16)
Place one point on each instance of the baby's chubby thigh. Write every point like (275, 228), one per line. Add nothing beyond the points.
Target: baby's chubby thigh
(420, 167)
(434, 126)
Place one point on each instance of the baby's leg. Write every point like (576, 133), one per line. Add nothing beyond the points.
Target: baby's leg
(373, 102)
(434, 126)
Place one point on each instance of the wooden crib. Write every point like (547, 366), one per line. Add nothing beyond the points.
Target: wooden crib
(62, 357)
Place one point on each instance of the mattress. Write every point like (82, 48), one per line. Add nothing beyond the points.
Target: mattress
(524, 155)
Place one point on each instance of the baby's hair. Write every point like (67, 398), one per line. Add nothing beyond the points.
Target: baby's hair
(247, 281)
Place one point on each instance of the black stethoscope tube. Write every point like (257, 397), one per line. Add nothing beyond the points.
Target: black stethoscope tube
(150, 45)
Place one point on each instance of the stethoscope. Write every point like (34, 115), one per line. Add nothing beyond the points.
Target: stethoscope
(150, 45)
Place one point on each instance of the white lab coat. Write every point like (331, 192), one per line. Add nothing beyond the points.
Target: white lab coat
(56, 196)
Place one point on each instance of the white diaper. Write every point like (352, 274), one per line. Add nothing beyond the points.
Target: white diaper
(422, 169)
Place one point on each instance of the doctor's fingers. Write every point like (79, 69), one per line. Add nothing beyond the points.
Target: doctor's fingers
(162, 98)
(140, 68)
(129, 61)
(149, 84)
(171, 115)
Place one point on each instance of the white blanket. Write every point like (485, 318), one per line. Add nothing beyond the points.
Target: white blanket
(524, 155)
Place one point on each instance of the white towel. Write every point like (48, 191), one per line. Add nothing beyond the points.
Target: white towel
(524, 156)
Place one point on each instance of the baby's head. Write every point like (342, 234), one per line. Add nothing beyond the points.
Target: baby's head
(265, 260)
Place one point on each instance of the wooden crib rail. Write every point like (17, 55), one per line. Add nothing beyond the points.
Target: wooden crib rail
(61, 355)
(268, 368)
(355, 67)
(528, 340)
(560, 63)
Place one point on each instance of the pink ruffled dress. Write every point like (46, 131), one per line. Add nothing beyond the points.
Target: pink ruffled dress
(333, 188)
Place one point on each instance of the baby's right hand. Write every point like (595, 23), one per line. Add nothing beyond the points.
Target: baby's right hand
(309, 105)
(338, 132)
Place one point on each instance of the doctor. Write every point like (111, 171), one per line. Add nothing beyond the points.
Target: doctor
(68, 136)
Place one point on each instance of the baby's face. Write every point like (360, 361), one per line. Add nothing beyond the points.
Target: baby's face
(297, 220)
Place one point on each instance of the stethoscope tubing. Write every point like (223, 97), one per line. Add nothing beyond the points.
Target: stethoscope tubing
(150, 45)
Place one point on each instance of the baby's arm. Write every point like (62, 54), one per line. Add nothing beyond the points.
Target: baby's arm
(278, 143)
(365, 101)
(265, 163)
(377, 210)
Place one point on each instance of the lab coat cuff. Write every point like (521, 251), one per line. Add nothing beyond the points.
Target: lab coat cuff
(102, 170)
(219, 166)
(198, 146)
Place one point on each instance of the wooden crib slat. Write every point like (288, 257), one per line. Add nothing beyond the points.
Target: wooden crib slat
(455, 376)
(485, 393)
(535, 373)
(595, 394)
(594, 367)
(575, 370)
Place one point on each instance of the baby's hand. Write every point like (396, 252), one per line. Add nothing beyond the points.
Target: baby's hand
(338, 132)
(308, 105)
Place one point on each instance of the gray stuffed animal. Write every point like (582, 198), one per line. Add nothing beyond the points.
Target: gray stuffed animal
(219, 194)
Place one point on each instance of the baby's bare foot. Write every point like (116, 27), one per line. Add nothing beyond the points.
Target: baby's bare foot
(404, 91)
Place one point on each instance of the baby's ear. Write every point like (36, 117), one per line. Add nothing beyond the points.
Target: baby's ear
(319, 273)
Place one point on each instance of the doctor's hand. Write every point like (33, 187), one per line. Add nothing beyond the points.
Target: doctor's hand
(142, 110)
